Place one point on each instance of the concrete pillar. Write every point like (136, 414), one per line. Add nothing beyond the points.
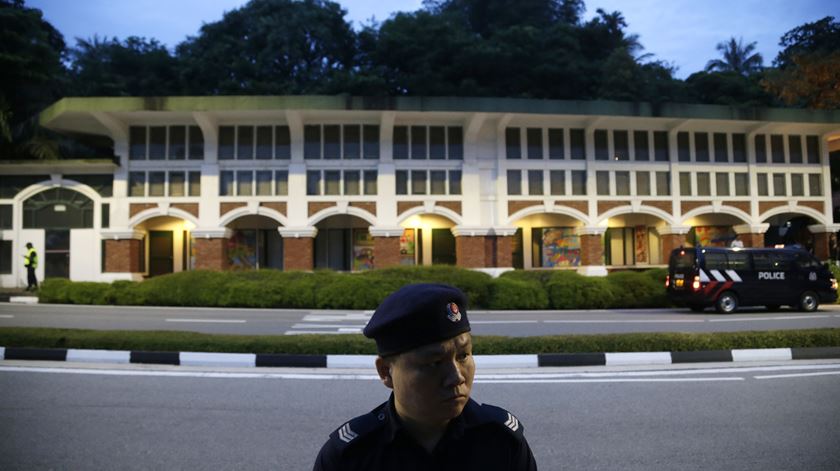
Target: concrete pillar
(298, 248)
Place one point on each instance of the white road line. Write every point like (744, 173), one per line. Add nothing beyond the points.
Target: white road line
(6, 316)
(190, 374)
(342, 317)
(606, 380)
(506, 322)
(735, 370)
(798, 375)
(636, 321)
(210, 321)
(783, 318)
(327, 326)
(320, 332)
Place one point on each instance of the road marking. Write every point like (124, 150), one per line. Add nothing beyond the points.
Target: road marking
(210, 321)
(506, 322)
(6, 316)
(798, 375)
(333, 317)
(327, 326)
(320, 332)
(739, 319)
(607, 380)
(636, 321)
(192, 374)
(735, 370)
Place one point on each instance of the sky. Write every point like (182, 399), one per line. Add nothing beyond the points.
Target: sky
(683, 33)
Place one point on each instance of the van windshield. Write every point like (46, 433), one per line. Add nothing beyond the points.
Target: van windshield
(683, 259)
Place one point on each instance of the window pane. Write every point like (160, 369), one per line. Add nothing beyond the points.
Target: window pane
(779, 187)
(622, 183)
(663, 183)
(352, 184)
(352, 142)
(760, 148)
(418, 182)
(685, 184)
(621, 146)
(514, 149)
(157, 142)
(226, 140)
(438, 182)
(437, 142)
(177, 142)
(701, 147)
(312, 142)
(558, 182)
(797, 185)
(244, 142)
(265, 146)
(722, 183)
(577, 140)
(282, 142)
(332, 142)
(534, 140)
(332, 182)
(226, 182)
(514, 182)
(264, 182)
(456, 142)
(660, 146)
(281, 183)
(795, 149)
(742, 184)
(643, 183)
(371, 139)
(641, 145)
(196, 143)
(195, 183)
(815, 184)
(400, 142)
(578, 182)
(418, 142)
(157, 183)
(454, 182)
(601, 149)
(6, 216)
(777, 148)
(106, 215)
(739, 147)
(761, 181)
(535, 182)
(683, 152)
(555, 144)
(721, 147)
(176, 184)
(602, 182)
(704, 185)
(812, 144)
(402, 182)
(313, 182)
(137, 142)
(137, 184)
(370, 177)
(244, 183)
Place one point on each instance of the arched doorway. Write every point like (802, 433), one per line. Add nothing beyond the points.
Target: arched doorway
(254, 244)
(344, 243)
(546, 240)
(427, 240)
(712, 230)
(632, 239)
(167, 247)
(788, 229)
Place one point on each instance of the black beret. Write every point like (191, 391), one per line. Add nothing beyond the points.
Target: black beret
(417, 315)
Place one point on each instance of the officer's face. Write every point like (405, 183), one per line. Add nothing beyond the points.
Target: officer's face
(431, 383)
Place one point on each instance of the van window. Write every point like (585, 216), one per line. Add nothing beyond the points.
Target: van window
(739, 261)
(716, 261)
(781, 260)
(805, 260)
(761, 261)
(683, 259)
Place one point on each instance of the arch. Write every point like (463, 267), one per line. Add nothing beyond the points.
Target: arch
(436, 210)
(156, 212)
(45, 185)
(650, 210)
(801, 210)
(541, 209)
(339, 211)
(722, 209)
(237, 213)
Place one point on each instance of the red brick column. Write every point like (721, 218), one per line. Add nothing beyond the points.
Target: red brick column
(122, 256)
(386, 252)
(470, 251)
(752, 239)
(298, 253)
(504, 252)
(821, 245)
(591, 250)
(671, 242)
(211, 254)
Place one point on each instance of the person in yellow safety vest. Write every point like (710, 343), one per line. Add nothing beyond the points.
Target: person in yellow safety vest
(31, 263)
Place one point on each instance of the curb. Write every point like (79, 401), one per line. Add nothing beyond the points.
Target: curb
(251, 360)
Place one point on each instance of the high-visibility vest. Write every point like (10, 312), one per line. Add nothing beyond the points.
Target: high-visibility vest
(31, 259)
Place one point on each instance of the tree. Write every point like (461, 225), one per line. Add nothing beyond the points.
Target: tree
(737, 58)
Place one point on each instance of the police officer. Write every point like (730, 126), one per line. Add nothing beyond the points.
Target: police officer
(430, 422)
(30, 261)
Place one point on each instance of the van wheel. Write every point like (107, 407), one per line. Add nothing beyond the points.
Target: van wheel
(696, 308)
(809, 302)
(773, 307)
(727, 303)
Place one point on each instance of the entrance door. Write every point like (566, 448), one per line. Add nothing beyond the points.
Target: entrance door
(443, 247)
(160, 253)
(57, 256)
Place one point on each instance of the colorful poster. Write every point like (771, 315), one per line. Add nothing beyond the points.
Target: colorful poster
(242, 249)
(407, 247)
(560, 247)
(713, 236)
(641, 244)
(362, 250)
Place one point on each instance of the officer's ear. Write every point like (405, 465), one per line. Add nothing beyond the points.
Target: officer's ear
(384, 367)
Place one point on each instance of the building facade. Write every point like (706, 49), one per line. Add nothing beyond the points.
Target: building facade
(351, 183)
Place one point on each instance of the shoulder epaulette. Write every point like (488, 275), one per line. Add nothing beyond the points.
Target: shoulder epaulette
(502, 417)
(352, 430)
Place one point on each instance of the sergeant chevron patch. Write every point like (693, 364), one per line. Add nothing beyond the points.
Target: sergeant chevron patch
(346, 434)
(512, 422)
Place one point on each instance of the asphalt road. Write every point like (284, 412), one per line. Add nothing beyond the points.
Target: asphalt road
(719, 417)
(510, 323)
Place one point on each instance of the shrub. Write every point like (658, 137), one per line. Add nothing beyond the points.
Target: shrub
(568, 290)
(55, 291)
(637, 289)
(510, 293)
(474, 284)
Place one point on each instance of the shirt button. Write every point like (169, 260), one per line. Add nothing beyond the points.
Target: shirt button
(381, 416)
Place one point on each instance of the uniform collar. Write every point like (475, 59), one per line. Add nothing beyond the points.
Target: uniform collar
(470, 417)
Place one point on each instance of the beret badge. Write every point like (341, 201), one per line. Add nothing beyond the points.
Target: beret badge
(453, 313)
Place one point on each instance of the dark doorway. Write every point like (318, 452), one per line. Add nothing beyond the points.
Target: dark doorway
(57, 256)
(443, 247)
(160, 253)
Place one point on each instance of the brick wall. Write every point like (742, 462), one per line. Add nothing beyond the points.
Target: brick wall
(386, 252)
(591, 250)
(469, 251)
(504, 251)
(210, 254)
(752, 239)
(122, 256)
(671, 242)
(821, 245)
(298, 253)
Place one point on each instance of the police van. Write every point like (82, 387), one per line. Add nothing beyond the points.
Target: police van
(726, 278)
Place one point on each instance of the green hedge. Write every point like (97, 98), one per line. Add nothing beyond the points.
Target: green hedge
(324, 289)
(357, 344)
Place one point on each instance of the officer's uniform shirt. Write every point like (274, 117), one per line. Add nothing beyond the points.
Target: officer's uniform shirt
(483, 437)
